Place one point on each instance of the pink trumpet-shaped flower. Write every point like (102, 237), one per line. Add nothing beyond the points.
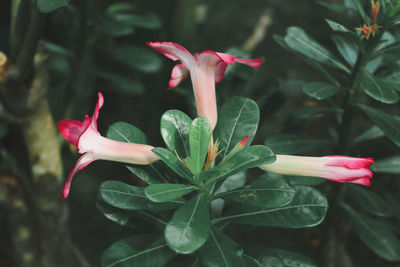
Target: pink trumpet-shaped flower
(93, 146)
(205, 68)
(334, 168)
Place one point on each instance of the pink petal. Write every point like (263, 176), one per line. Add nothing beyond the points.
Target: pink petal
(99, 104)
(254, 63)
(212, 58)
(179, 73)
(82, 163)
(350, 162)
(220, 71)
(173, 51)
(362, 181)
(71, 130)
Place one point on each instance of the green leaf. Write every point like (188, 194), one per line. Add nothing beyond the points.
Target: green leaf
(110, 26)
(387, 165)
(307, 209)
(294, 144)
(3, 130)
(175, 127)
(347, 48)
(47, 6)
(122, 83)
(129, 253)
(377, 89)
(150, 21)
(262, 256)
(125, 132)
(237, 118)
(306, 59)
(298, 40)
(336, 26)
(120, 216)
(128, 197)
(371, 133)
(376, 235)
(320, 90)
(173, 162)
(138, 58)
(249, 157)
(167, 192)
(369, 201)
(361, 11)
(264, 192)
(199, 141)
(189, 227)
(219, 250)
(389, 124)
(149, 173)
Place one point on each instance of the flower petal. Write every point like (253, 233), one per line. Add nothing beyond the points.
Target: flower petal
(363, 181)
(71, 130)
(82, 163)
(220, 71)
(254, 63)
(173, 51)
(99, 104)
(349, 162)
(179, 73)
(212, 58)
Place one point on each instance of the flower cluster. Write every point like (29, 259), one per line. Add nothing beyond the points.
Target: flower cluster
(366, 31)
(205, 69)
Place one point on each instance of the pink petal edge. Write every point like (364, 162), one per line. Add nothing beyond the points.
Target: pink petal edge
(179, 73)
(82, 163)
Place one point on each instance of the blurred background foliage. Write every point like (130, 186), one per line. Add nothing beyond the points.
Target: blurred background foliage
(97, 45)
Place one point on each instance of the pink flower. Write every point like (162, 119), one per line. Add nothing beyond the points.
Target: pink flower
(206, 69)
(334, 168)
(93, 146)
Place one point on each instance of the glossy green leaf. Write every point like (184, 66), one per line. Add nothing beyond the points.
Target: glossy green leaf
(249, 157)
(376, 234)
(122, 83)
(387, 165)
(265, 192)
(189, 227)
(307, 209)
(128, 197)
(125, 132)
(138, 58)
(167, 192)
(320, 90)
(369, 201)
(389, 124)
(347, 48)
(335, 7)
(219, 250)
(361, 11)
(130, 252)
(336, 26)
(175, 127)
(271, 257)
(47, 6)
(173, 162)
(377, 89)
(294, 144)
(199, 141)
(298, 40)
(120, 216)
(148, 173)
(237, 118)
